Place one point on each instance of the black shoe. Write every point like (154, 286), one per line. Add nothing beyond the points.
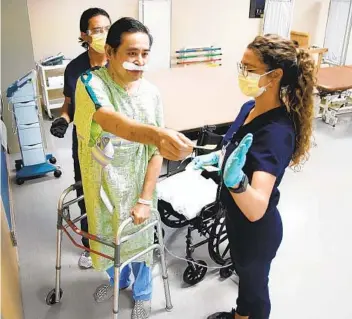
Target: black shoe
(223, 315)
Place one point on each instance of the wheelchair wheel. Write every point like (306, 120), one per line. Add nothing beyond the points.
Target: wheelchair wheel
(195, 273)
(169, 217)
(228, 271)
(218, 245)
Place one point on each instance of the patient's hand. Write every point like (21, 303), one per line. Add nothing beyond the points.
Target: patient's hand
(140, 213)
(173, 145)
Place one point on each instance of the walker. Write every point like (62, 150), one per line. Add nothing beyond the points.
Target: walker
(55, 295)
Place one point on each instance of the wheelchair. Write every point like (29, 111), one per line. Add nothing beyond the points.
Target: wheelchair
(209, 221)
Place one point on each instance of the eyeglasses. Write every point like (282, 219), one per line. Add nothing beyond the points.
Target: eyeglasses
(243, 69)
(98, 30)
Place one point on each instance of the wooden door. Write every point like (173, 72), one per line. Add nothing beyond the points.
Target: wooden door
(11, 301)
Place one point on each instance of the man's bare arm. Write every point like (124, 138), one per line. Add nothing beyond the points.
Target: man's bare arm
(171, 144)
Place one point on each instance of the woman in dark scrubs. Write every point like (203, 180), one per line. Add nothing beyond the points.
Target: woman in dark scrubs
(270, 133)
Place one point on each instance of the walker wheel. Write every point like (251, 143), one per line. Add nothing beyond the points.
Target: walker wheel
(50, 298)
(228, 271)
(57, 173)
(52, 160)
(195, 273)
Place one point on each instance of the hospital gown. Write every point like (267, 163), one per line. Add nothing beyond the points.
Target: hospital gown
(123, 178)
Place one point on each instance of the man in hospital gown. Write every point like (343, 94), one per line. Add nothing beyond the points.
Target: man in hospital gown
(129, 179)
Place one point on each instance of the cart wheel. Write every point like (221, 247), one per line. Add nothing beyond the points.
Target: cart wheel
(52, 160)
(228, 271)
(57, 173)
(195, 273)
(50, 298)
(18, 166)
(19, 181)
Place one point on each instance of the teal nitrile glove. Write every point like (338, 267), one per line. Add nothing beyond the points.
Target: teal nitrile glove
(204, 160)
(233, 173)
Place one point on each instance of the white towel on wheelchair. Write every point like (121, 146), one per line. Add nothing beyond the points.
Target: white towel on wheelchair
(187, 192)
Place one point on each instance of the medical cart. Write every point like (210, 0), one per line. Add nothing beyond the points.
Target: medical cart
(52, 83)
(23, 97)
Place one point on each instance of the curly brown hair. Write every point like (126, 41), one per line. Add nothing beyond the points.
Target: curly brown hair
(296, 86)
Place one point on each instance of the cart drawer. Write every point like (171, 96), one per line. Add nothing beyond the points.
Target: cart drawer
(25, 93)
(29, 134)
(24, 104)
(32, 155)
(27, 114)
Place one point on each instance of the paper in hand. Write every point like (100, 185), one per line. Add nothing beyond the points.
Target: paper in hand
(209, 147)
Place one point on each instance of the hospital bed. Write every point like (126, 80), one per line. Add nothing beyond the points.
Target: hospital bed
(66, 225)
(334, 85)
(191, 198)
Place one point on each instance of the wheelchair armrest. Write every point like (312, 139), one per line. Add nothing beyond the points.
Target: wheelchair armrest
(181, 167)
(207, 136)
(212, 175)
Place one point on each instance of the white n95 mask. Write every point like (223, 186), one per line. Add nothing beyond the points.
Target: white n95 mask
(98, 42)
(134, 67)
(249, 85)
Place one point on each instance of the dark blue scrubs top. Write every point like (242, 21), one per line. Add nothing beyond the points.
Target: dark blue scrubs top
(271, 152)
(72, 72)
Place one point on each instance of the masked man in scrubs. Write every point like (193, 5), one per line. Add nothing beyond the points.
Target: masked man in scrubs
(94, 25)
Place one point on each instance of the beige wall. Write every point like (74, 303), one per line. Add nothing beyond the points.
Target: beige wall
(16, 53)
(194, 23)
(214, 22)
(311, 16)
(55, 23)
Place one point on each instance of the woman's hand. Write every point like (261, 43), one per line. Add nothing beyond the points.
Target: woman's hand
(205, 160)
(233, 173)
(140, 213)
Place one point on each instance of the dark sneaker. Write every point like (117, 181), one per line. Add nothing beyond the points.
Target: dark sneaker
(223, 315)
